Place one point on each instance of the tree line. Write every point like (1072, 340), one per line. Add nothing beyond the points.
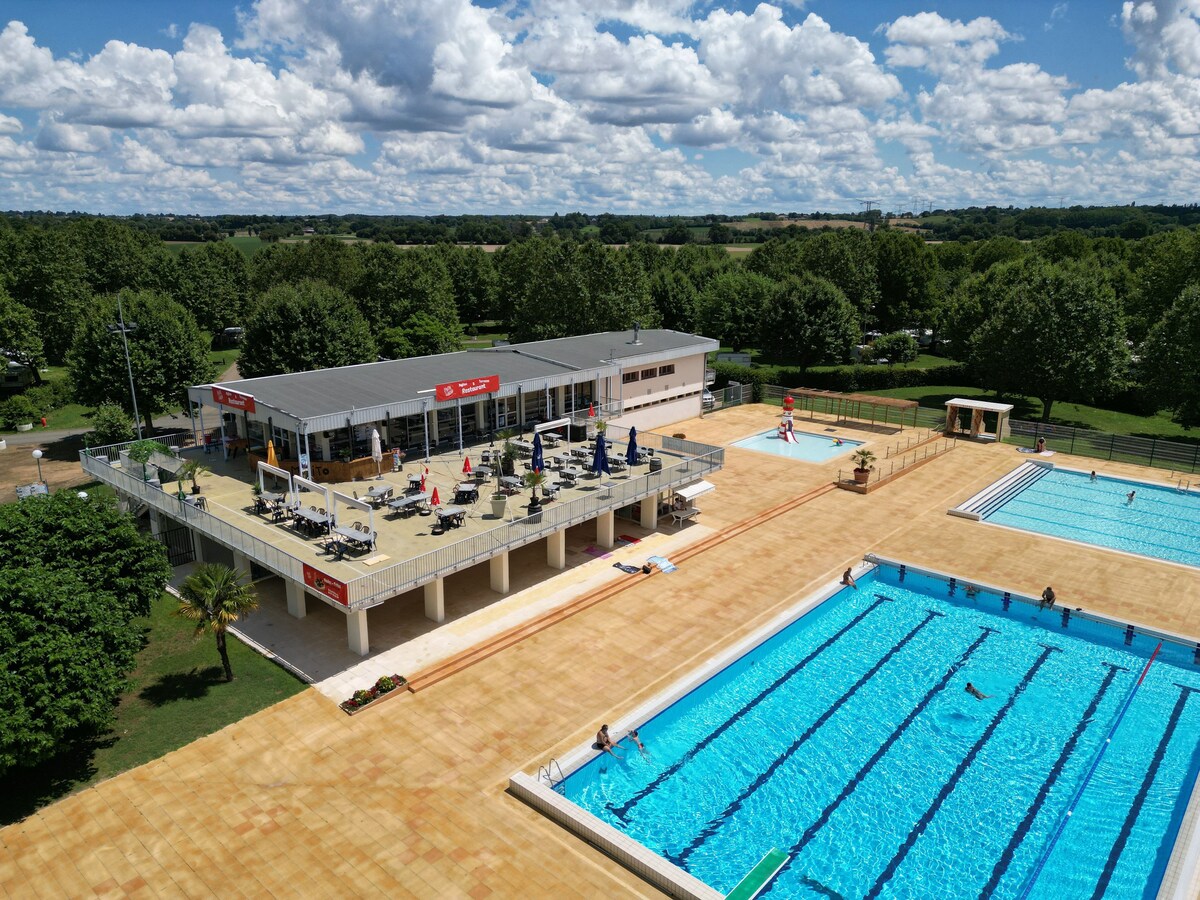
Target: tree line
(1066, 317)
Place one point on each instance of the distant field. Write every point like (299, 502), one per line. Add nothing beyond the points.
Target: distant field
(813, 224)
(247, 244)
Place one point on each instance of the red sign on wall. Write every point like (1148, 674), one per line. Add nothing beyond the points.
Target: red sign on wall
(233, 399)
(330, 587)
(469, 388)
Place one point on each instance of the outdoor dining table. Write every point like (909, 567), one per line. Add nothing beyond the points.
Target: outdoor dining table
(414, 482)
(523, 447)
(451, 516)
(380, 493)
(353, 535)
(510, 483)
(483, 473)
(581, 452)
(313, 518)
(570, 473)
(551, 438)
(408, 503)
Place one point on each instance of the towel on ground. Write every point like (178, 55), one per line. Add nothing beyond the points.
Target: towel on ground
(598, 552)
(628, 539)
(664, 564)
(628, 569)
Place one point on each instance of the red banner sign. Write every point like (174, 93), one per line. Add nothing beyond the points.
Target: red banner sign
(469, 388)
(330, 587)
(233, 399)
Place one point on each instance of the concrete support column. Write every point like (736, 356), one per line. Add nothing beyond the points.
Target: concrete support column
(606, 527)
(156, 527)
(241, 562)
(296, 600)
(435, 600)
(499, 567)
(556, 549)
(356, 632)
(649, 512)
(197, 546)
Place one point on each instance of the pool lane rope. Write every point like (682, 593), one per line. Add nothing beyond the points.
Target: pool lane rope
(1075, 798)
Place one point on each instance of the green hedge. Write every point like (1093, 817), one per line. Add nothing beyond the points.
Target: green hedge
(847, 379)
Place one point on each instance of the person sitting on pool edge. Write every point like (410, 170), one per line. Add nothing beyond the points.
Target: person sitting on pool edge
(976, 692)
(1041, 444)
(604, 742)
(848, 580)
(1048, 596)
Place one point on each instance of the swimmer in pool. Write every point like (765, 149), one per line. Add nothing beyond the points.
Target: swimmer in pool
(976, 692)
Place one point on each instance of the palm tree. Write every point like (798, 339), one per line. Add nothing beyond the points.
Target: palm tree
(213, 597)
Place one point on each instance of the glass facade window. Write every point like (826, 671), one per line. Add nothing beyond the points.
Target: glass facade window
(649, 373)
(666, 370)
(629, 377)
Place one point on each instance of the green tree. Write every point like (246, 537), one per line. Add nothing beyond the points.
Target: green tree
(907, 280)
(474, 280)
(19, 337)
(50, 279)
(897, 347)
(996, 250)
(167, 354)
(847, 258)
(117, 257)
(212, 282)
(675, 298)
(1168, 263)
(322, 259)
(76, 574)
(110, 425)
(214, 597)
(1171, 357)
(807, 321)
(1053, 332)
(299, 327)
(728, 309)
(421, 335)
(777, 259)
(396, 285)
(719, 233)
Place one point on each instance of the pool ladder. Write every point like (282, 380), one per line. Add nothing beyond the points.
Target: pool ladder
(546, 772)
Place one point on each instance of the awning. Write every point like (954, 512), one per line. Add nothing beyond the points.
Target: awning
(694, 490)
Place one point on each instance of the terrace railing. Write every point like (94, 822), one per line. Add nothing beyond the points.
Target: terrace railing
(682, 462)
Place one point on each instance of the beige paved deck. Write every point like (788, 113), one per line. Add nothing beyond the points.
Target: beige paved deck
(227, 491)
(407, 799)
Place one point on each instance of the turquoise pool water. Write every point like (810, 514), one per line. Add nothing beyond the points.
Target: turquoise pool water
(848, 740)
(1161, 522)
(808, 447)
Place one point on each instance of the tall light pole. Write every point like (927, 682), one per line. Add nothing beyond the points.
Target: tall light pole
(37, 455)
(124, 328)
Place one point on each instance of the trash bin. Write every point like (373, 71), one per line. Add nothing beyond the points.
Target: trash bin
(656, 464)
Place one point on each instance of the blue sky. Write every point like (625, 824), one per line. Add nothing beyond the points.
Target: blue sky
(655, 106)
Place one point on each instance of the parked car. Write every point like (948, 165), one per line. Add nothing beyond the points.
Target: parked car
(707, 400)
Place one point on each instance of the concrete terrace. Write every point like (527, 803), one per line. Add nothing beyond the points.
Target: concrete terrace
(408, 799)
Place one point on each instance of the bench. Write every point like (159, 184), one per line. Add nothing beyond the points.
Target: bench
(679, 516)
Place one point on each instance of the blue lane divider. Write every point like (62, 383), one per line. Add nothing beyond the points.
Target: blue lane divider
(1036, 872)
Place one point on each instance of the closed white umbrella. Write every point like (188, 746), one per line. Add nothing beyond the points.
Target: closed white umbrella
(376, 452)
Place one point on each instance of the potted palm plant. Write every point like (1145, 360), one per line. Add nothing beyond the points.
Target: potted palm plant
(864, 461)
(534, 480)
(192, 470)
(508, 451)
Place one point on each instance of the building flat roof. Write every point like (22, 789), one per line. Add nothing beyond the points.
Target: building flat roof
(398, 386)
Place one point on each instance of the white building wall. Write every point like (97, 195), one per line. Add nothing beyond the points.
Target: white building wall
(653, 402)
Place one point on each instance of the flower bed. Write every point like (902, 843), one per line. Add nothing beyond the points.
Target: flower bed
(385, 686)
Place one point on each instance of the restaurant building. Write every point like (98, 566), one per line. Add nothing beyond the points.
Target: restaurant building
(310, 438)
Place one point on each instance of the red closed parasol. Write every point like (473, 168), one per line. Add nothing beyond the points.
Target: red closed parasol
(467, 465)
(434, 500)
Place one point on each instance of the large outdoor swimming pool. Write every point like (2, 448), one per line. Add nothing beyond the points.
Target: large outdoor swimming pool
(808, 447)
(1162, 522)
(848, 740)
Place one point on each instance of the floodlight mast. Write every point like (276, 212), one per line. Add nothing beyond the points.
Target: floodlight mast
(124, 327)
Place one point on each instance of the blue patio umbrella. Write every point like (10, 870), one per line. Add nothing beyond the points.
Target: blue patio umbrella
(600, 461)
(537, 463)
(631, 450)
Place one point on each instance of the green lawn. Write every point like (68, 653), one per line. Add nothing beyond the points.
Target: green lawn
(175, 695)
(248, 244)
(1075, 414)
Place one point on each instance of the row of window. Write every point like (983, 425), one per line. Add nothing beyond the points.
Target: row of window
(630, 377)
(630, 407)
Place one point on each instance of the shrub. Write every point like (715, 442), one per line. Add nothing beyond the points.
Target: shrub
(110, 425)
(17, 411)
(846, 379)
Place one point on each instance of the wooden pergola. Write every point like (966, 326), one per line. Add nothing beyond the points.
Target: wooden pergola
(850, 406)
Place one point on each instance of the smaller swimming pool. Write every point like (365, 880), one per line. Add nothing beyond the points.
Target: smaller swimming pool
(808, 447)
